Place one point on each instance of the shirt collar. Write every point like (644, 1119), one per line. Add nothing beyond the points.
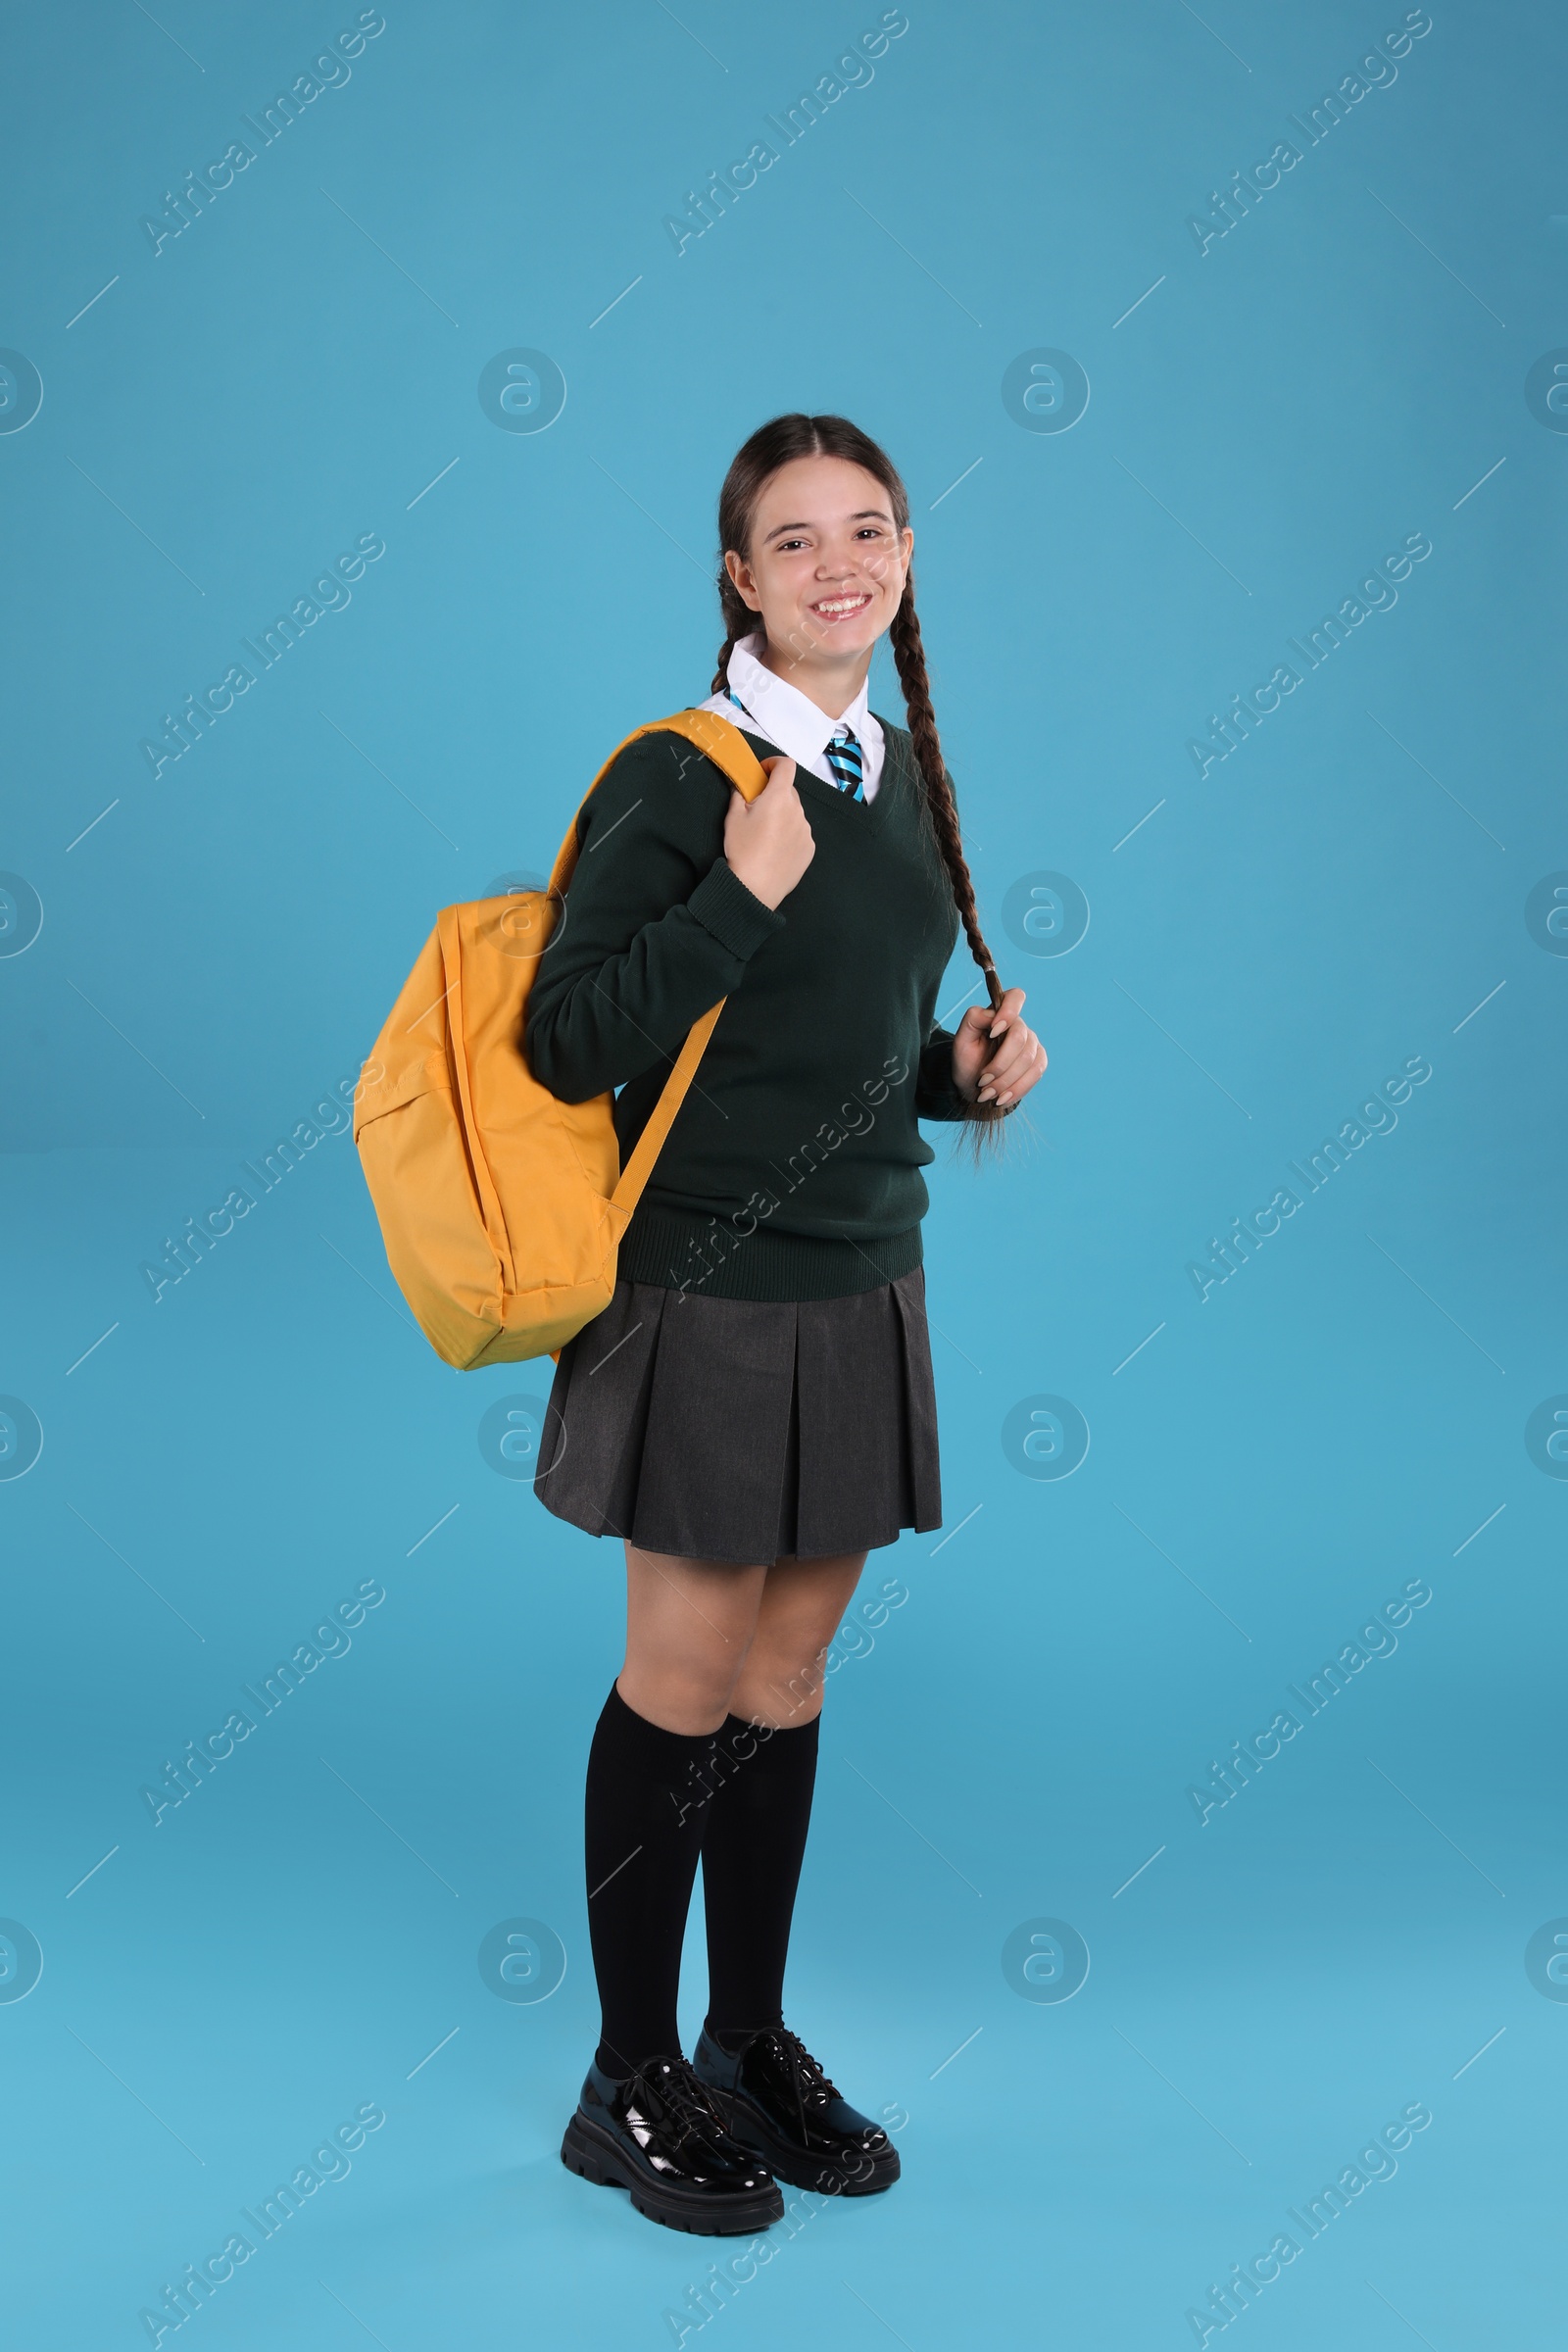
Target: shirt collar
(785, 715)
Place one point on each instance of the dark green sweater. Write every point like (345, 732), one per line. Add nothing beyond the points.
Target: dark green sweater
(793, 1168)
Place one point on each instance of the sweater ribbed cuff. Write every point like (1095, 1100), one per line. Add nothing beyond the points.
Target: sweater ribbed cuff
(723, 906)
(935, 1095)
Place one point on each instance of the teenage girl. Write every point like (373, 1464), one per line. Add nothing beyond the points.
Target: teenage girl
(755, 1410)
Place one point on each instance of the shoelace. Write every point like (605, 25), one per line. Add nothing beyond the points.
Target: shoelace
(680, 2098)
(808, 2082)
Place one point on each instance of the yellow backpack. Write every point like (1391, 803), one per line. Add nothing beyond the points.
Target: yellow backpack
(502, 1209)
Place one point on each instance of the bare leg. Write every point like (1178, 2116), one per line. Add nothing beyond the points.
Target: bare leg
(802, 1605)
(689, 1625)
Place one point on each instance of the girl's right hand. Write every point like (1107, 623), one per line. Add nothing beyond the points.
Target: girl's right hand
(768, 842)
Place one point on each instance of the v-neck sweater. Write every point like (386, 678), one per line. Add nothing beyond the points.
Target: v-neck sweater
(792, 1170)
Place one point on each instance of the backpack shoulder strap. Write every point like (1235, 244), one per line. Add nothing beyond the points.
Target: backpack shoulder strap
(648, 1145)
(714, 737)
(728, 748)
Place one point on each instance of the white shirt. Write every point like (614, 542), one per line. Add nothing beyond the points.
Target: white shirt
(779, 710)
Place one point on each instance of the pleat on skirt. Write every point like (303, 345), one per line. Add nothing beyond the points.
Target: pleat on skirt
(745, 1430)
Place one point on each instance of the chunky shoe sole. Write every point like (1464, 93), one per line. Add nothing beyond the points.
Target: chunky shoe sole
(804, 2171)
(594, 2156)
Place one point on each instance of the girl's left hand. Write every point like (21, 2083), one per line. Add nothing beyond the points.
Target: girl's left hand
(996, 1057)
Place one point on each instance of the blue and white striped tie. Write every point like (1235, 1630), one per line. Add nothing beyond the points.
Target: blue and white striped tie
(845, 759)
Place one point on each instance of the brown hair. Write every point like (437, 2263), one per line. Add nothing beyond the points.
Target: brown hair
(776, 444)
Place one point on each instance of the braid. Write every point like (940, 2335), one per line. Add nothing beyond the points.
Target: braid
(722, 673)
(908, 655)
(739, 622)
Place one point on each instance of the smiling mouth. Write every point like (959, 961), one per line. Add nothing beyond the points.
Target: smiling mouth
(841, 607)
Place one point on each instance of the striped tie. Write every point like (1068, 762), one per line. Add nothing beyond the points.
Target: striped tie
(845, 759)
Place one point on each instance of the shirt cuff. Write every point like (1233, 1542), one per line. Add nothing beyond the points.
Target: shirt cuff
(723, 906)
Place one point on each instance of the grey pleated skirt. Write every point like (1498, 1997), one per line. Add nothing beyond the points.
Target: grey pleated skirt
(742, 1429)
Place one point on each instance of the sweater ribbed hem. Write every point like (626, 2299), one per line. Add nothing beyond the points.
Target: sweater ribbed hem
(708, 1259)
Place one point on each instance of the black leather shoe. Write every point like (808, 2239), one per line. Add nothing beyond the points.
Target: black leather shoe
(661, 2134)
(776, 2099)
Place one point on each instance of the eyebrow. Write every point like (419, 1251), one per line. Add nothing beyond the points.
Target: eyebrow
(863, 514)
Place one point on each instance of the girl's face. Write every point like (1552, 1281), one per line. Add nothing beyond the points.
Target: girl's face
(827, 564)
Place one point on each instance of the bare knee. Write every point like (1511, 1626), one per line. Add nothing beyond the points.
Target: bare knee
(781, 1687)
(689, 1629)
(782, 1679)
(675, 1695)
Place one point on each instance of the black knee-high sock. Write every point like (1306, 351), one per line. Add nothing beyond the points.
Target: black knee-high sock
(644, 1816)
(753, 1844)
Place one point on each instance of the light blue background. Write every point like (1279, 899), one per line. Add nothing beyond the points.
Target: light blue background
(219, 949)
